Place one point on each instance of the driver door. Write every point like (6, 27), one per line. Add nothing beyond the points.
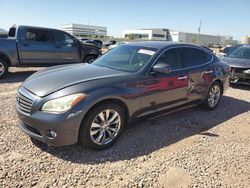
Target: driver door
(67, 49)
(165, 90)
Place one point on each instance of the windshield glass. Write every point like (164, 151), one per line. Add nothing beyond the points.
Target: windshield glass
(242, 52)
(126, 58)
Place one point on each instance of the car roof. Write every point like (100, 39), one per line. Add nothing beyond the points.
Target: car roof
(158, 44)
(246, 46)
(36, 27)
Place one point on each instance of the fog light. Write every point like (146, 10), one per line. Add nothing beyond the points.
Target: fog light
(50, 134)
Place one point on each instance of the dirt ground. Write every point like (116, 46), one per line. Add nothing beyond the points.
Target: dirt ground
(190, 148)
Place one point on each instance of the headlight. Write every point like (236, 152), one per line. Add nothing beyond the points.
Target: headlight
(62, 104)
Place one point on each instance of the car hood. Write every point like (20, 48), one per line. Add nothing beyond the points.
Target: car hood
(45, 82)
(237, 62)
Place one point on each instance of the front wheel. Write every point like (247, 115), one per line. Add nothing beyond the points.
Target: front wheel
(89, 59)
(102, 127)
(213, 96)
(3, 68)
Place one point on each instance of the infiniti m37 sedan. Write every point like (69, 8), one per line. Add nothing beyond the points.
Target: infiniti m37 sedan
(93, 103)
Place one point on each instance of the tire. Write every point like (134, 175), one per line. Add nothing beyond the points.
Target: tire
(4, 68)
(213, 96)
(89, 59)
(98, 134)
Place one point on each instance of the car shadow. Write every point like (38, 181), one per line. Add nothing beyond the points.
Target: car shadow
(241, 86)
(14, 77)
(151, 135)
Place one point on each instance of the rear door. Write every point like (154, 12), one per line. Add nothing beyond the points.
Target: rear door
(67, 49)
(36, 46)
(166, 90)
(197, 63)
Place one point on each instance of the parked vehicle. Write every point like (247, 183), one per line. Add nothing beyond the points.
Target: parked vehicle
(110, 47)
(35, 46)
(108, 43)
(97, 43)
(93, 103)
(3, 33)
(239, 61)
(228, 50)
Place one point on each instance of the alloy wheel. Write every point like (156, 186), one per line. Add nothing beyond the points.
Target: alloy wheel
(2, 69)
(214, 96)
(105, 127)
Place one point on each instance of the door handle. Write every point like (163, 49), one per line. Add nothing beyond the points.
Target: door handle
(182, 78)
(208, 71)
(58, 46)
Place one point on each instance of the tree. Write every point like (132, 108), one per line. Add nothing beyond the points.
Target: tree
(194, 40)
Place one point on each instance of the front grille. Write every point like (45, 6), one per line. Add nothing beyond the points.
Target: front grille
(239, 70)
(24, 102)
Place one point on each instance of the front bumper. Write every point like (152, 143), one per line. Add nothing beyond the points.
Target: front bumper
(40, 124)
(238, 76)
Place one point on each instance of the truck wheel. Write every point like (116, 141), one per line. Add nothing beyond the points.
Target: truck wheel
(3, 68)
(89, 59)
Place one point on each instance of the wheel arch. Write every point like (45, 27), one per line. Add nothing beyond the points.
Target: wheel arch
(214, 81)
(119, 102)
(96, 56)
(220, 82)
(5, 57)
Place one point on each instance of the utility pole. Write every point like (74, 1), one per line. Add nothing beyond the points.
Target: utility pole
(199, 30)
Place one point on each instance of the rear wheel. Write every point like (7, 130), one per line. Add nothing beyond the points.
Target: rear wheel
(102, 126)
(213, 96)
(3, 68)
(89, 59)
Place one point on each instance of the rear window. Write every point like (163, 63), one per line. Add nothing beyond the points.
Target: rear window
(193, 57)
(38, 35)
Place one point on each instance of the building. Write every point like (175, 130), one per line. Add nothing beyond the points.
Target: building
(203, 39)
(177, 36)
(245, 40)
(147, 34)
(79, 30)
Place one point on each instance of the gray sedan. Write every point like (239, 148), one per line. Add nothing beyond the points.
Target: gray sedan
(239, 61)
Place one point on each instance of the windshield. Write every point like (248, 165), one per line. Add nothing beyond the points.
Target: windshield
(242, 52)
(126, 58)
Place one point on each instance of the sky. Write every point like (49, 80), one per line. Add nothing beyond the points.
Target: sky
(219, 17)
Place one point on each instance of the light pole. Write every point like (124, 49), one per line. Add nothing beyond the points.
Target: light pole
(199, 30)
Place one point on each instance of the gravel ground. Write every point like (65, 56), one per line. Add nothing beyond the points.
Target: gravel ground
(191, 148)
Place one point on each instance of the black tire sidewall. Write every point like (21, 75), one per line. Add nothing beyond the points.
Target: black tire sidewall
(6, 67)
(88, 58)
(84, 133)
(206, 100)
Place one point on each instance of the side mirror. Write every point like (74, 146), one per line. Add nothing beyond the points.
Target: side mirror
(162, 68)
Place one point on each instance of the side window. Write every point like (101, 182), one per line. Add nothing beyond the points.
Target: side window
(208, 57)
(38, 35)
(12, 32)
(63, 38)
(171, 57)
(194, 57)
